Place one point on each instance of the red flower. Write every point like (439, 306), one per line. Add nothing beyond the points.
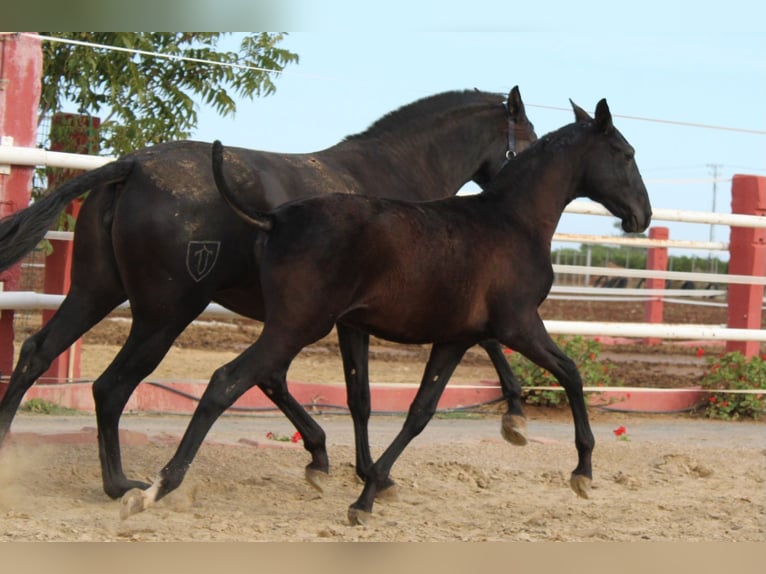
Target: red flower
(296, 437)
(619, 431)
(700, 351)
(270, 435)
(712, 399)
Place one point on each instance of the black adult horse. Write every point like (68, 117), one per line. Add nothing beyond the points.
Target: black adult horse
(154, 230)
(450, 272)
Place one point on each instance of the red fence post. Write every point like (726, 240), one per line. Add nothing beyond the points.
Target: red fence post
(747, 256)
(71, 133)
(21, 63)
(656, 260)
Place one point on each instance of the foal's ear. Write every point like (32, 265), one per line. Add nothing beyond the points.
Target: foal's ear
(603, 117)
(515, 105)
(580, 114)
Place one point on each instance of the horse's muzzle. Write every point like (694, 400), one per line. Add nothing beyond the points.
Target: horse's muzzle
(636, 223)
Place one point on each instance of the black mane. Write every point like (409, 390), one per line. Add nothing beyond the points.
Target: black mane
(422, 110)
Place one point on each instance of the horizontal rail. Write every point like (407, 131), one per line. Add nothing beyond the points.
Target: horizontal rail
(575, 290)
(14, 155)
(632, 299)
(26, 300)
(31, 300)
(680, 275)
(640, 241)
(564, 237)
(731, 219)
(661, 330)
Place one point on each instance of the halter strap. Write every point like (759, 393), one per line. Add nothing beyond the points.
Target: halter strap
(510, 153)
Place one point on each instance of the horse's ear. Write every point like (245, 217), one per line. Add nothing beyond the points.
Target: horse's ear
(515, 104)
(603, 117)
(580, 114)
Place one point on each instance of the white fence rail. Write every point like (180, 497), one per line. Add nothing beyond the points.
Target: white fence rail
(11, 155)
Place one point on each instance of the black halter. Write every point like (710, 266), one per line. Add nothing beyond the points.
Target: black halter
(511, 151)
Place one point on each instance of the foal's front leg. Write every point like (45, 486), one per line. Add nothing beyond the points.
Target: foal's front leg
(537, 345)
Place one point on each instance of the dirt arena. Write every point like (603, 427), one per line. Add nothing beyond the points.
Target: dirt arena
(677, 478)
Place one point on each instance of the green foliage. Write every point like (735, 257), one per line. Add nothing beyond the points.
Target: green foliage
(733, 371)
(147, 99)
(43, 407)
(584, 352)
(633, 258)
(627, 257)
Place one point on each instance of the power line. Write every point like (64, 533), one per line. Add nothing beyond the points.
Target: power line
(660, 121)
(153, 54)
(269, 71)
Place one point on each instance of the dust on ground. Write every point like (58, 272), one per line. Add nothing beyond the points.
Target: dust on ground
(667, 483)
(458, 481)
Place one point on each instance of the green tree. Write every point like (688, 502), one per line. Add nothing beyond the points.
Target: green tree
(144, 99)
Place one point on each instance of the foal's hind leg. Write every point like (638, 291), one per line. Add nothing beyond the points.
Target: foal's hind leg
(77, 314)
(441, 364)
(514, 425)
(264, 363)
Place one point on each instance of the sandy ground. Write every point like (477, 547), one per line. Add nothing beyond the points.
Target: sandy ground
(676, 479)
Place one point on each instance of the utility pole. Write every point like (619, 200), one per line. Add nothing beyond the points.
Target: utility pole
(714, 167)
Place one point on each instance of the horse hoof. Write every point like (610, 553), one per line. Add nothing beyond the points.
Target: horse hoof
(132, 502)
(316, 478)
(514, 429)
(358, 517)
(580, 484)
(118, 490)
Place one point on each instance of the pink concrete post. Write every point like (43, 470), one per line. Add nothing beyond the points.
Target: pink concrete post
(21, 62)
(656, 260)
(747, 256)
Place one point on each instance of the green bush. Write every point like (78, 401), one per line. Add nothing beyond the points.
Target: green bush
(43, 407)
(584, 352)
(733, 371)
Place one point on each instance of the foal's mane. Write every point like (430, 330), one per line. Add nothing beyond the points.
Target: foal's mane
(412, 116)
(550, 143)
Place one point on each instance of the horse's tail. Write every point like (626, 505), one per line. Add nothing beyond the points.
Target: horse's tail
(255, 218)
(21, 231)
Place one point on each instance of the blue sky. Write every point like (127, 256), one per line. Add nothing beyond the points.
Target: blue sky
(698, 66)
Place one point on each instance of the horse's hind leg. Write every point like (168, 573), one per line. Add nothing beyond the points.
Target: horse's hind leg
(354, 348)
(441, 364)
(77, 314)
(514, 425)
(146, 346)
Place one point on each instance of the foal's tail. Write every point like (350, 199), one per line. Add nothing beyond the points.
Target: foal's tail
(255, 218)
(20, 232)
